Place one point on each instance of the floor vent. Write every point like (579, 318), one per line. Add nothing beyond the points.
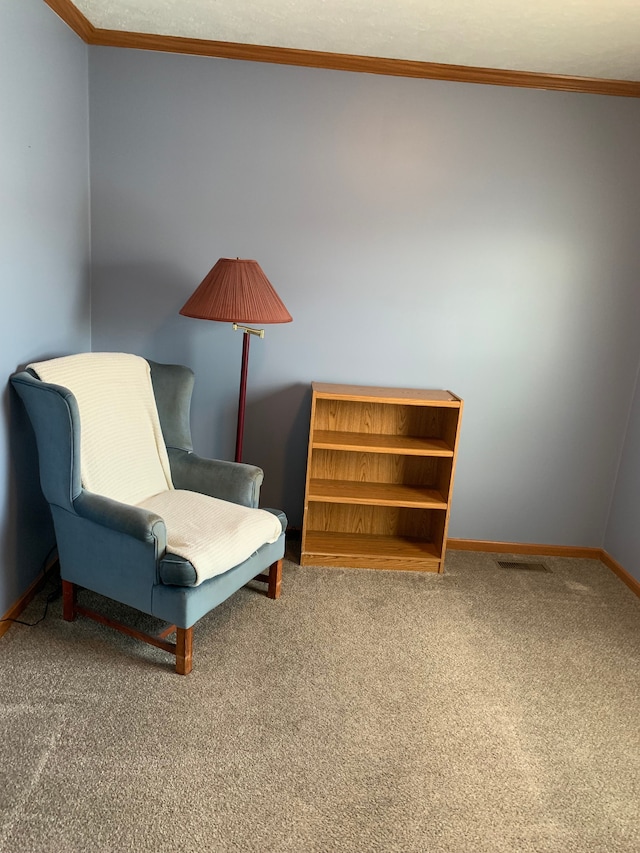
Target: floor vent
(527, 567)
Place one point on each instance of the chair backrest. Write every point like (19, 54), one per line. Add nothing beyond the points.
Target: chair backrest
(122, 452)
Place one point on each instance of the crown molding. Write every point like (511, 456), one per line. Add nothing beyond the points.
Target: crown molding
(339, 61)
(73, 18)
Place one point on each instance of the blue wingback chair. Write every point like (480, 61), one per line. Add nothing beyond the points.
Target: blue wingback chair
(120, 550)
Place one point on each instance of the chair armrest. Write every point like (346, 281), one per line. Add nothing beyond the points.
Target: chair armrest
(123, 518)
(229, 481)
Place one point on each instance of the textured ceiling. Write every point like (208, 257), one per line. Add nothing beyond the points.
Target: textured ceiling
(588, 38)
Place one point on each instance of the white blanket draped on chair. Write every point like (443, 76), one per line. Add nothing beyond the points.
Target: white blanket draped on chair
(124, 457)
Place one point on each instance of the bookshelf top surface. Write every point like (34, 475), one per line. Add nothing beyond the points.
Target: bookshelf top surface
(377, 393)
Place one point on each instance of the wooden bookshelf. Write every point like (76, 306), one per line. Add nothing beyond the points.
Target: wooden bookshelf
(380, 471)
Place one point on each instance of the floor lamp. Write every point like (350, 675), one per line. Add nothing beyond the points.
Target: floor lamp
(237, 291)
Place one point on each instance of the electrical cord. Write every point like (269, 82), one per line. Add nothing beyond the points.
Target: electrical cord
(47, 565)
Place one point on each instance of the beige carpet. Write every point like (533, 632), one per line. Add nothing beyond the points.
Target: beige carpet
(485, 709)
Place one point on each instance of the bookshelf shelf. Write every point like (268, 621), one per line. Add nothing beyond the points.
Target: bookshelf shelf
(380, 473)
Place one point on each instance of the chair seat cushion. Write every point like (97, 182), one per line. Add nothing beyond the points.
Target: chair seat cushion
(212, 534)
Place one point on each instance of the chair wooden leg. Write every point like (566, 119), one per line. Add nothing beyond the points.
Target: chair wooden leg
(275, 580)
(184, 650)
(69, 593)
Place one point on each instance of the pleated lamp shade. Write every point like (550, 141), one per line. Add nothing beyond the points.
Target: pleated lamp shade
(236, 291)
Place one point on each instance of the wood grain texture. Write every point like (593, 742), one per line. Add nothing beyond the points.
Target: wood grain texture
(371, 520)
(534, 549)
(69, 601)
(377, 467)
(525, 548)
(623, 574)
(15, 611)
(380, 394)
(359, 418)
(74, 18)
(407, 445)
(380, 494)
(152, 640)
(184, 650)
(339, 61)
(366, 64)
(362, 551)
(275, 579)
(379, 473)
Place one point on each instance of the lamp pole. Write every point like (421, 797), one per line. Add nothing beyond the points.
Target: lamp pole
(246, 340)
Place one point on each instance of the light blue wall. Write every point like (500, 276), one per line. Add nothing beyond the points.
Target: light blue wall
(622, 539)
(44, 250)
(421, 233)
